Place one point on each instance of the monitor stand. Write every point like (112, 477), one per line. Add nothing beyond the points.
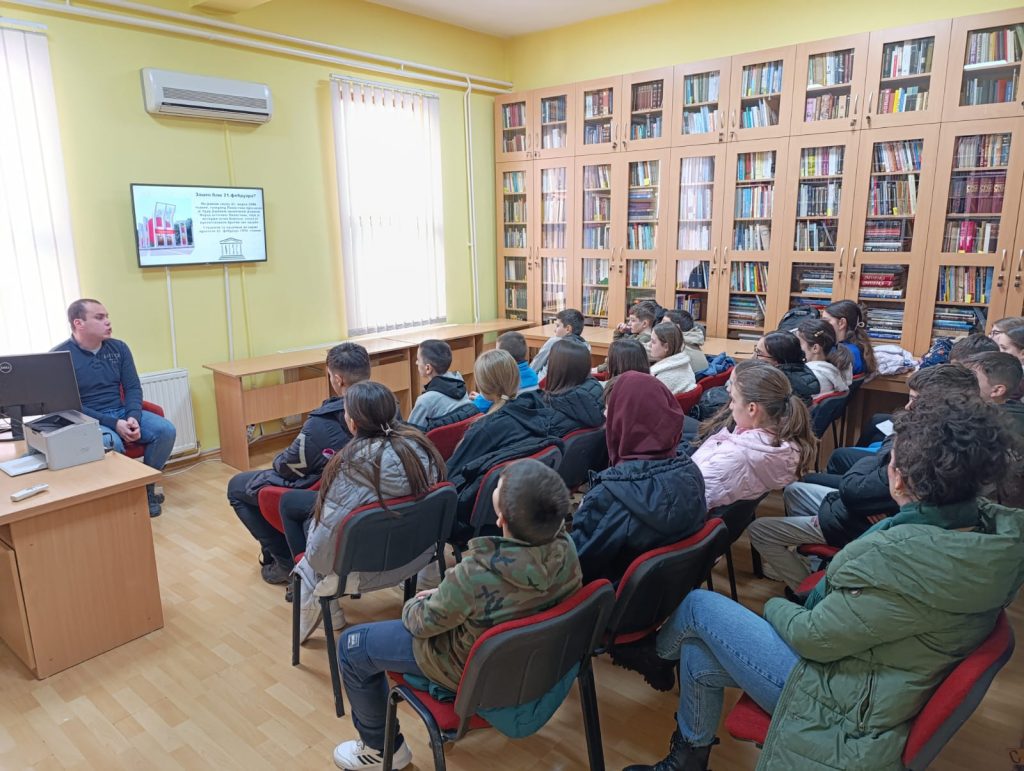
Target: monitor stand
(17, 430)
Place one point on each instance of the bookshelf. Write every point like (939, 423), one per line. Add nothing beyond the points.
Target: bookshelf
(598, 107)
(984, 68)
(748, 313)
(701, 91)
(906, 75)
(514, 186)
(831, 92)
(554, 122)
(600, 182)
(647, 111)
(513, 140)
(761, 94)
(555, 183)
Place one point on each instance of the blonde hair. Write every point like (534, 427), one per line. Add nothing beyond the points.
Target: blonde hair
(497, 377)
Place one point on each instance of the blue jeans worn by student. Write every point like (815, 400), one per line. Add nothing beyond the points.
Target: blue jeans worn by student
(156, 433)
(365, 653)
(721, 644)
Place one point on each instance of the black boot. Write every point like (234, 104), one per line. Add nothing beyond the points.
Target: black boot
(682, 756)
(642, 657)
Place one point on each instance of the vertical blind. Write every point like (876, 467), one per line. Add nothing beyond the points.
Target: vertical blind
(388, 149)
(38, 277)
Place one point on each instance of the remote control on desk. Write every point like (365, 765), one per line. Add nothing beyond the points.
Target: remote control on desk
(28, 492)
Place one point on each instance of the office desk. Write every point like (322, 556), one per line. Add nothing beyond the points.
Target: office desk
(77, 569)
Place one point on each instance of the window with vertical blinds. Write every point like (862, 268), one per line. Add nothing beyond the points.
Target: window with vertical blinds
(388, 148)
(38, 277)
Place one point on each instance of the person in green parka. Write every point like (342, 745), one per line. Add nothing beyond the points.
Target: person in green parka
(901, 606)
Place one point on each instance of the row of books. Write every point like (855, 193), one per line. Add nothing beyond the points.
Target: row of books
(980, 193)
(998, 45)
(694, 236)
(754, 200)
(884, 322)
(516, 211)
(597, 133)
(888, 235)
(971, 236)
(697, 170)
(598, 104)
(755, 166)
(597, 208)
(552, 302)
(983, 90)
(834, 68)
(644, 173)
(957, 322)
(513, 115)
(648, 96)
(515, 297)
(513, 182)
(598, 177)
(985, 150)
(554, 137)
(702, 120)
(749, 237)
(883, 282)
(764, 112)
(515, 269)
(695, 305)
(897, 157)
(647, 126)
(514, 143)
(822, 161)
(813, 279)
(695, 203)
(595, 302)
(905, 99)
(597, 236)
(908, 57)
(553, 180)
(642, 274)
(641, 235)
(553, 109)
(692, 275)
(815, 236)
(553, 271)
(762, 78)
(642, 204)
(826, 107)
(552, 236)
(702, 87)
(748, 277)
(893, 196)
(819, 199)
(595, 271)
(552, 208)
(515, 237)
(748, 312)
(810, 302)
(964, 284)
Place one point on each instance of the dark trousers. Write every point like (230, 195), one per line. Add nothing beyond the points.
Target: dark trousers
(296, 510)
(247, 508)
(870, 433)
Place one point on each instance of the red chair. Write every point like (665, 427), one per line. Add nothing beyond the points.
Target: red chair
(602, 376)
(483, 515)
(511, 664)
(688, 399)
(822, 551)
(134, 449)
(711, 381)
(269, 500)
(586, 450)
(737, 516)
(946, 710)
(447, 438)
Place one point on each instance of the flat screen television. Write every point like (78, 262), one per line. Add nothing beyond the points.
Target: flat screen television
(179, 225)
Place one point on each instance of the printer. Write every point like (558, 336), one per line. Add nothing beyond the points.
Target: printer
(67, 438)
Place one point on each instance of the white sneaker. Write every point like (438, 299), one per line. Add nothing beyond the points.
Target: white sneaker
(338, 621)
(354, 755)
(310, 612)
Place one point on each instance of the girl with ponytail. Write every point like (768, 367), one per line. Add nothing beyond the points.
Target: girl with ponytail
(830, 362)
(847, 319)
(760, 441)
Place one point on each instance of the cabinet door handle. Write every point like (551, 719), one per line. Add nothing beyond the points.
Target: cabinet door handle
(536, 142)
(856, 103)
(1002, 269)
(869, 104)
(1020, 264)
(714, 260)
(842, 253)
(529, 138)
(853, 263)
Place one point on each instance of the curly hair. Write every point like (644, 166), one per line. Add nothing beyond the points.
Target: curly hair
(950, 446)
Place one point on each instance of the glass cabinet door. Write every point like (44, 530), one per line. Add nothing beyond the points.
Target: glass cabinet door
(555, 181)
(984, 67)
(514, 245)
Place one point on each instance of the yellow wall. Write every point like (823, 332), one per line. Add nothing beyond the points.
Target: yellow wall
(110, 141)
(680, 31)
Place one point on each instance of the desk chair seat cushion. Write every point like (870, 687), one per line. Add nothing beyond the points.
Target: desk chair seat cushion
(269, 500)
(748, 722)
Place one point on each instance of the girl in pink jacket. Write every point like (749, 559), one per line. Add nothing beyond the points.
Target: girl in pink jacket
(761, 441)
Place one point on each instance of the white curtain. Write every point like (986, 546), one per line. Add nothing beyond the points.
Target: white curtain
(388, 148)
(38, 277)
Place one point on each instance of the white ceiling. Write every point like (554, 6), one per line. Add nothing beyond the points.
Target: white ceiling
(507, 18)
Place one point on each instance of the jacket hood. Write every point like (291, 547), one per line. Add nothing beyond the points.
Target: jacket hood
(695, 336)
(651, 491)
(644, 419)
(675, 361)
(582, 404)
(804, 382)
(450, 384)
(988, 560)
(538, 568)
(393, 480)
(527, 409)
(828, 375)
(331, 406)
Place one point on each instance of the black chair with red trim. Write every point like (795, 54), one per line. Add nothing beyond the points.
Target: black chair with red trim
(709, 382)
(822, 551)
(586, 450)
(269, 500)
(447, 438)
(826, 411)
(380, 539)
(946, 710)
(483, 520)
(512, 664)
(657, 581)
(737, 516)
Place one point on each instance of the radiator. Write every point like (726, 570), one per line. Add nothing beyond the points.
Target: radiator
(169, 389)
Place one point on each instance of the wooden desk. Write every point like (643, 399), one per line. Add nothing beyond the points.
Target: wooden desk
(77, 569)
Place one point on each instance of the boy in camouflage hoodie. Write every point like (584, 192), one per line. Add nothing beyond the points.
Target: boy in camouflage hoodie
(532, 566)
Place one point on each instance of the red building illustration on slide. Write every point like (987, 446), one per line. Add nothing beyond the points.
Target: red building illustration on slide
(162, 231)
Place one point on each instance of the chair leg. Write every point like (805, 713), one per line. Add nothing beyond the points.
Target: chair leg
(591, 717)
(391, 728)
(296, 608)
(409, 588)
(732, 575)
(755, 559)
(332, 658)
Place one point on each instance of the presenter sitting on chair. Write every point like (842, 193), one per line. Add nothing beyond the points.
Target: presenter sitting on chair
(110, 389)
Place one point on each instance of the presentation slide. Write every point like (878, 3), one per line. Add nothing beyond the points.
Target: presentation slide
(196, 225)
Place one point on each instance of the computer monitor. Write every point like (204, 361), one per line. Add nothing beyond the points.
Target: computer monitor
(36, 384)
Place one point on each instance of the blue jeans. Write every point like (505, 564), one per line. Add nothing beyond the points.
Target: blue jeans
(365, 653)
(721, 644)
(157, 434)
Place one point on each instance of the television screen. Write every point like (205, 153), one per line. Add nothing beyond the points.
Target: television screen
(198, 225)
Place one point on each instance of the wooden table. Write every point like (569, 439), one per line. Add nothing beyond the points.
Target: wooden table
(77, 569)
(240, 403)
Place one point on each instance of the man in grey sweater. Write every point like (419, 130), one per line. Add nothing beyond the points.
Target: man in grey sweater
(444, 392)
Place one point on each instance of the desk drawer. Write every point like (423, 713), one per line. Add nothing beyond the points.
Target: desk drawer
(13, 621)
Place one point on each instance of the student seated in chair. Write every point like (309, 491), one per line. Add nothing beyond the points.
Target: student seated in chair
(576, 399)
(999, 375)
(568, 326)
(669, 362)
(530, 567)
(783, 351)
(111, 391)
(300, 465)
(830, 362)
(847, 318)
(899, 608)
(444, 399)
(693, 338)
(514, 344)
(385, 459)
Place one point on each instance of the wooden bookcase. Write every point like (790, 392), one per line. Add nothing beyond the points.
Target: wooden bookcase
(646, 110)
(761, 94)
(514, 196)
(830, 77)
(513, 137)
(701, 91)
(554, 183)
(553, 114)
(984, 69)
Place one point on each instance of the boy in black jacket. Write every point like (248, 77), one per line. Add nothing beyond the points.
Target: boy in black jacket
(300, 465)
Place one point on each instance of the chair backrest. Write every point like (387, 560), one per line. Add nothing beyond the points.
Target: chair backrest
(585, 450)
(827, 409)
(737, 515)
(375, 539)
(657, 581)
(711, 381)
(483, 514)
(519, 661)
(957, 697)
(688, 399)
(447, 438)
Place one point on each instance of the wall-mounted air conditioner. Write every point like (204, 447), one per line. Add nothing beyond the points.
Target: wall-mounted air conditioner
(197, 96)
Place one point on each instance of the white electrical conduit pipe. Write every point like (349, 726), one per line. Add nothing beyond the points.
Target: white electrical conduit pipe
(471, 192)
(31, 26)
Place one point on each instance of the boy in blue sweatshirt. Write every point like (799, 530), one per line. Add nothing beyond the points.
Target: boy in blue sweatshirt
(515, 344)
